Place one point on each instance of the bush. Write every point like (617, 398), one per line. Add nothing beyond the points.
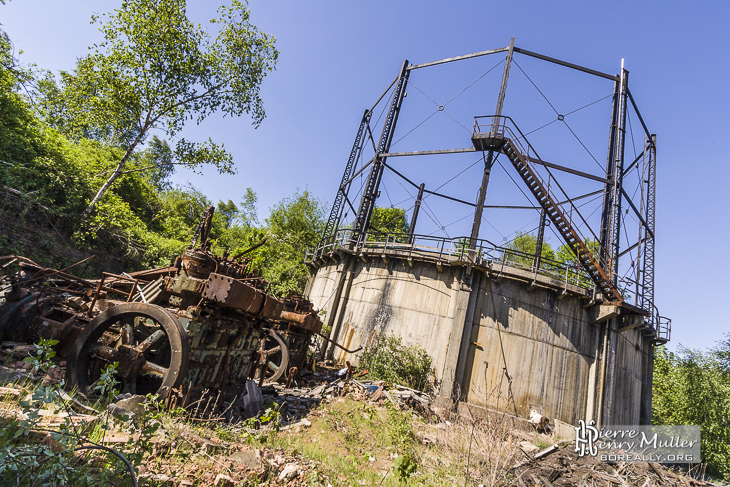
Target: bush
(693, 387)
(395, 363)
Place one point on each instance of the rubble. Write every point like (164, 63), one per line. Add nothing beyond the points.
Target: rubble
(250, 459)
(289, 472)
(561, 466)
(237, 463)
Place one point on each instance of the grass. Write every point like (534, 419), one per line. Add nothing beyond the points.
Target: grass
(349, 443)
(354, 443)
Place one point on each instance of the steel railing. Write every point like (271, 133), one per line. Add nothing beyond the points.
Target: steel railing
(486, 254)
(445, 250)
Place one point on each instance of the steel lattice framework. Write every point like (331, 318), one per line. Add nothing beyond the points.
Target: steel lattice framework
(598, 251)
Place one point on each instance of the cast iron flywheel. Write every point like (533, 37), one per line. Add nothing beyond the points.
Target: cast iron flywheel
(147, 341)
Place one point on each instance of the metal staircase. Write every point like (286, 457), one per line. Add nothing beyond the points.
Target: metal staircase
(504, 136)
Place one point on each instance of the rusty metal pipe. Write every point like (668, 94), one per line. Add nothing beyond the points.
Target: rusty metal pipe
(338, 345)
(250, 249)
(295, 317)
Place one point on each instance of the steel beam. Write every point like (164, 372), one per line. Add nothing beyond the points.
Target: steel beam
(637, 212)
(567, 169)
(384, 93)
(358, 172)
(567, 64)
(416, 208)
(540, 238)
(459, 58)
(427, 191)
(638, 114)
(489, 161)
(618, 173)
(607, 210)
(648, 274)
(451, 198)
(429, 152)
(635, 162)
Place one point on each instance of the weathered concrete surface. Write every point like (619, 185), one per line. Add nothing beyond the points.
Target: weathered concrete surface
(504, 342)
(416, 303)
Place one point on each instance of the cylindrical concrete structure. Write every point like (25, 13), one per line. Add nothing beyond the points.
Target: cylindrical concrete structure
(501, 338)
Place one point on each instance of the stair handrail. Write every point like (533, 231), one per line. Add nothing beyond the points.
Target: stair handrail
(499, 127)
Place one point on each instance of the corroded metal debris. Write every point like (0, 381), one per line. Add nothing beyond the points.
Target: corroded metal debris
(204, 323)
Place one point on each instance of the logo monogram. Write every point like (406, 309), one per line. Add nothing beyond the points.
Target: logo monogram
(585, 438)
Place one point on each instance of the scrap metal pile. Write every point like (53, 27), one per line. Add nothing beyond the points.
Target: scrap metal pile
(205, 323)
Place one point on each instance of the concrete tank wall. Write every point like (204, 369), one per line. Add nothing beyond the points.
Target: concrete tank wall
(415, 303)
(509, 343)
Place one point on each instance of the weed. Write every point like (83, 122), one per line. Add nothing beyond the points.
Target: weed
(392, 361)
(106, 385)
(400, 432)
(25, 460)
(403, 467)
(541, 444)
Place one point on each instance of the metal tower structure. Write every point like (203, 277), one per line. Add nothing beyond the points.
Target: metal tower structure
(599, 248)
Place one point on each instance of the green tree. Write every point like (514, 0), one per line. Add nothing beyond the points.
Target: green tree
(723, 353)
(158, 163)
(182, 208)
(156, 69)
(20, 137)
(388, 221)
(566, 255)
(692, 387)
(294, 225)
(521, 250)
(228, 212)
(247, 212)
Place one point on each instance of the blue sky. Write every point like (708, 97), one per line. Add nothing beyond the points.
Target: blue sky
(338, 57)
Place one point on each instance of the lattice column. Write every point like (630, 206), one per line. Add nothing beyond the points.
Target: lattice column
(333, 223)
(648, 271)
(367, 202)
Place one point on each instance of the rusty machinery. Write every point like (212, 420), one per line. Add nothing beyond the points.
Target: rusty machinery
(204, 323)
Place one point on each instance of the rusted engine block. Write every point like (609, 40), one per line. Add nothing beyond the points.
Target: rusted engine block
(204, 323)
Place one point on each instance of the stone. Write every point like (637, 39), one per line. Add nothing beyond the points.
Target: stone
(248, 459)
(528, 447)
(289, 472)
(133, 406)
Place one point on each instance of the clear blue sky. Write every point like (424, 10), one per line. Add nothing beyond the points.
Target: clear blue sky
(337, 57)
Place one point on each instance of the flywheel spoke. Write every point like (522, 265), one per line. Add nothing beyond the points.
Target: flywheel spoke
(151, 341)
(150, 368)
(148, 342)
(103, 352)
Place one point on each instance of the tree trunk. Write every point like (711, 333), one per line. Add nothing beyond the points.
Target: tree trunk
(117, 172)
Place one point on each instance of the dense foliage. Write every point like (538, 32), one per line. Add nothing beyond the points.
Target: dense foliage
(395, 363)
(157, 69)
(522, 247)
(87, 131)
(389, 223)
(693, 387)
